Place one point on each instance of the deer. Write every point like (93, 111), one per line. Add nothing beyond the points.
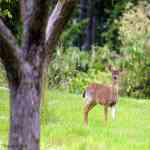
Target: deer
(105, 95)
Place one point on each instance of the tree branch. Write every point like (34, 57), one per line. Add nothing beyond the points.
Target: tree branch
(57, 21)
(10, 54)
(34, 14)
(9, 41)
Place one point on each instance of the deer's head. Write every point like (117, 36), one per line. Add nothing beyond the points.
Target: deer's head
(115, 73)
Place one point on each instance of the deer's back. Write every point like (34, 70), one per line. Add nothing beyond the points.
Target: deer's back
(102, 94)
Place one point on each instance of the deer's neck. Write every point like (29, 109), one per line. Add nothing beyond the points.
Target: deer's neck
(115, 85)
(115, 89)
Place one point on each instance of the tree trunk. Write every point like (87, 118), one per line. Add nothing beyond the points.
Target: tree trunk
(83, 9)
(90, 34)
(25, 98)
(25, 66)
(24, 129)
(91, 28)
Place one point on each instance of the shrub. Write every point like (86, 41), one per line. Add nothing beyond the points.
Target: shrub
(74, 69)
(65, 66)
(134, 32)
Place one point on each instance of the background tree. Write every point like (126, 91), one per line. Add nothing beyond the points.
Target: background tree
(108, 45)
(25, 65)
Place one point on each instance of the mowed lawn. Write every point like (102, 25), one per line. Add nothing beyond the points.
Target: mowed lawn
(62, 124)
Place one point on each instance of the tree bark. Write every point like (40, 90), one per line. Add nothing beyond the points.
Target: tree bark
(25, 66)
(90, 34)
(91, 28)
(25, 97)
(83, 9)
(57, 22)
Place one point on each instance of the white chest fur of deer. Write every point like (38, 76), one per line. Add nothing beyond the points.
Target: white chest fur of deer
(106, 95)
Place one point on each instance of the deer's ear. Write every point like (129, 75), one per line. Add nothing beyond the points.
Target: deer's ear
(110, 67)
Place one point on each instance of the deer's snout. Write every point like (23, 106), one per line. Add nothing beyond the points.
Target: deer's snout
(115, 77)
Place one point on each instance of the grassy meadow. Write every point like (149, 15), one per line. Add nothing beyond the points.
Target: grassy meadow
(62, 124)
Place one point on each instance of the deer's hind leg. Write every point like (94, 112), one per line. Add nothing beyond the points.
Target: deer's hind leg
(106, 113)
(87, 109)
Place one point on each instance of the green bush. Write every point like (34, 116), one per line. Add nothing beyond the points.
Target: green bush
(72, 32)
(134, 32)
(65, 65)
(73, 69)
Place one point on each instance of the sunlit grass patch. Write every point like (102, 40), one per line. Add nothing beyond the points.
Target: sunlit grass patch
(130, 130)
(62, 124)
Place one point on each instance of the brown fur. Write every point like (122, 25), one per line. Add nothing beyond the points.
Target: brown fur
(103, 94)
(106, 95)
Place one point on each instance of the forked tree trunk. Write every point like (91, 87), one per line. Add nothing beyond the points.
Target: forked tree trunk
(25, 66)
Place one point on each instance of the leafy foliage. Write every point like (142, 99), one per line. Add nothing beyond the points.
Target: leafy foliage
(9, 11)
(72, 32)
(75, 69)
(134, 32)
(65, 65)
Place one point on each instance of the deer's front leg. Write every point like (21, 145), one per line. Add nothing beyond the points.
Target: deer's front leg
(113, 112)
(87, 108)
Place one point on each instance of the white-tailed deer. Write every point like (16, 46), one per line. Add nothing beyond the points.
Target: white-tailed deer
(106, 95)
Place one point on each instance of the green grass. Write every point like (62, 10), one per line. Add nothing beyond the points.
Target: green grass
(62, 124)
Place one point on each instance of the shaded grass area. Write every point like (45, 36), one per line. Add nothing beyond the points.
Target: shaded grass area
(62, 124)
